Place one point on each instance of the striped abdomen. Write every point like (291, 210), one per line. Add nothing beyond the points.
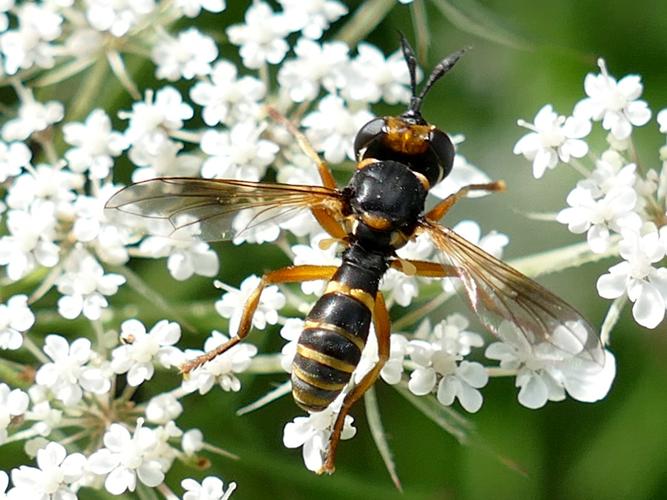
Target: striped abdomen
(335, 332)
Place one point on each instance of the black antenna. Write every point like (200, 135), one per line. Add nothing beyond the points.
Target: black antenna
(438, 72)
(441, 69)
(411, 61)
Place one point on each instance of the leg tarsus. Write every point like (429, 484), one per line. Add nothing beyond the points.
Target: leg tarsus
(439, 211)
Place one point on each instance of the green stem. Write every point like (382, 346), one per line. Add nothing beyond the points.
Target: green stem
(88, 92)
(364, 20)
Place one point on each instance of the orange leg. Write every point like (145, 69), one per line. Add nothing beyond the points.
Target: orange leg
(329, 223)
(382, 331)
(322, 167)
(438, 212)
(290, 274)
(424, 268)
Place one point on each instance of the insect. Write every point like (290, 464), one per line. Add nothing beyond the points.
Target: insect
(399, 159)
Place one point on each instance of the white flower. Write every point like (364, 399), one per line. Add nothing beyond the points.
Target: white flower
(401, 287)
(160, 158)
(187, 56)
(29, 44)
(290, 331)
(163, 408)
(192, 441)
(392, 371)
(15, 319)
(84, 286)
(119, 16)
(125, 457)
(221, 370)
(151, 119)
(313, 432)
(249, 227)
(191, 8)
(231, 304)
(644, 284)
(462, 174)
(33, 116)
(13, 157)
(238, 153)
(226, 97)
(30, 241)
(314, 254)
(186, 255)
(662, 121)
(211, 488)
(493, 242)
(371, 77)
(12, 404)
(312, 18)
(95, 144)
(45, 417)
(45, 183)
(598, 215)
(544, 374)
(315, 65)
(443, 358)
(615, 103)
(333, 127)
(68, 375)
(553, 137)
(262, 37)
(52, 480)
(92, 226)
(141, 350)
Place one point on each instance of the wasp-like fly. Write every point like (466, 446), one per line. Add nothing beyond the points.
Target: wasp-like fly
(399, 159)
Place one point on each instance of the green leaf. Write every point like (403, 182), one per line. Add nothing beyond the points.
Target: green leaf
(379, 436)
(473, 18)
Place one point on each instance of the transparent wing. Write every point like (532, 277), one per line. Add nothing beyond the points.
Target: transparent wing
(217, 209)
(514, 307)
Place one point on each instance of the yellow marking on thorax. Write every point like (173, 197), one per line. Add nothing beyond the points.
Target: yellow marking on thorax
(364, 163)
(376, 222)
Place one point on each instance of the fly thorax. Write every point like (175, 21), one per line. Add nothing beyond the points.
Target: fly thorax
(387, 199)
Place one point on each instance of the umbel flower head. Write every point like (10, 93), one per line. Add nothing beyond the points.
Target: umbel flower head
(91, 327)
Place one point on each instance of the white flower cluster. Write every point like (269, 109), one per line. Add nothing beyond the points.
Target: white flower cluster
(81, 415)
(620, 204)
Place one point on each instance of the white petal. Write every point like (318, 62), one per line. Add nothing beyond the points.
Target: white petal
(422, 381)
(470, 398)
(638, 113)
(447, 389)
(472, 373)
(649, 309)
(611, 286)
(150, 473)
(119, 480)
(587, 381)
(313, 451)
(533, 393)
(102, 462)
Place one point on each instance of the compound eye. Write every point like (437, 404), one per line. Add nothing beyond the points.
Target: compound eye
(367, 134)
(443, 149)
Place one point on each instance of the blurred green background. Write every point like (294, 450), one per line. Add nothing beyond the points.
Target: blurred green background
(615, 449)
